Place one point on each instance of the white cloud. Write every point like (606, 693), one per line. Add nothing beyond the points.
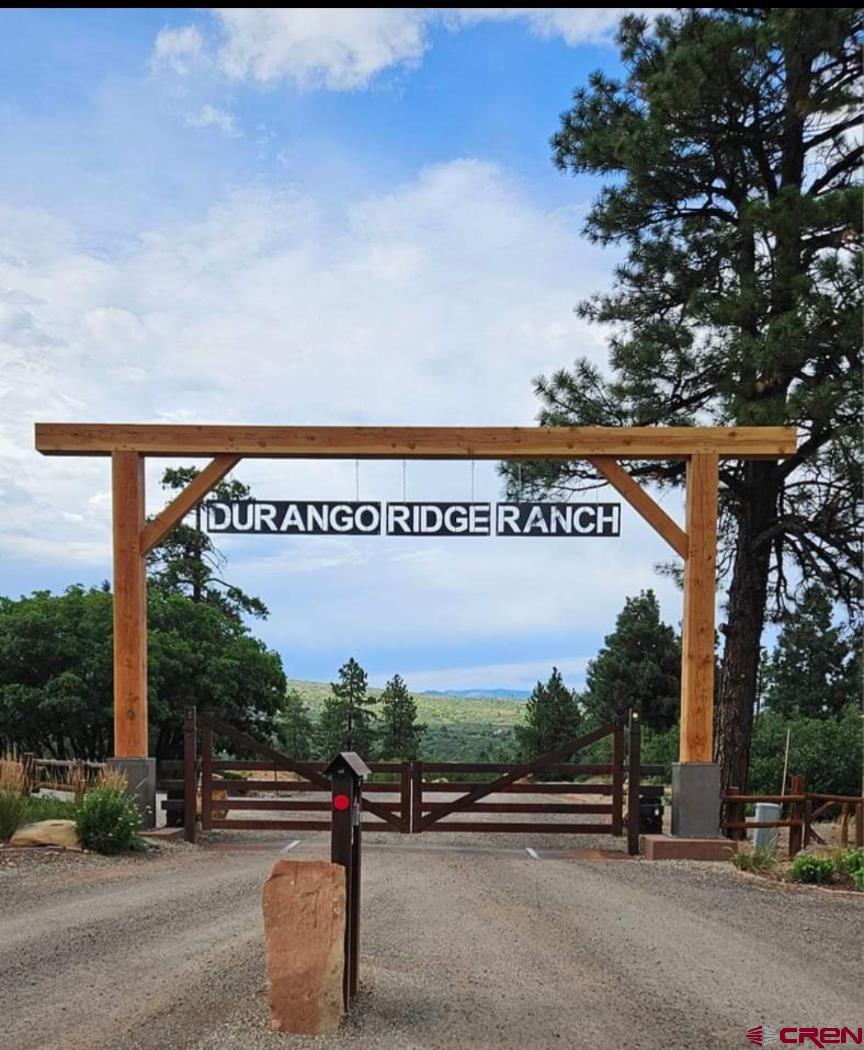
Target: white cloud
(435, 303)
(575, 25)
(178, 48)
(338, 48)
(344, 49)
(210, 117)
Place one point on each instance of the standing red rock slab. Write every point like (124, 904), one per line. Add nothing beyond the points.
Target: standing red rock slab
(304, 929)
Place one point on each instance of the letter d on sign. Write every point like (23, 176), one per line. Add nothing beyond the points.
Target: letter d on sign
(219, 517)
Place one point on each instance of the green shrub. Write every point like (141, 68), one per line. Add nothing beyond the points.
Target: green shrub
(849, 864)
(760, 859)
(11, 813)
(810, 867)
(826, 751)
(848, 861)
(108, 821)
(13, 785)
(660, 749)
(43, 807)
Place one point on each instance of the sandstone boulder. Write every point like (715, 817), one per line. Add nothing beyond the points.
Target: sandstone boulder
(304, 930)
(47, 833)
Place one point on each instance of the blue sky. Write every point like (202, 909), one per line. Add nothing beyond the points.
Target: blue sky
(307, 216)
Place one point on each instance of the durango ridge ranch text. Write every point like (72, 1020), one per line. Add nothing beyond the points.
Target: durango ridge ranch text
(317, 518)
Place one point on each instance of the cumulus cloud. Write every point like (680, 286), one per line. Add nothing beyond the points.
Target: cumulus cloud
(178, 49)
(575, 25)
(338, 48)
(434, 303)
(344, 49)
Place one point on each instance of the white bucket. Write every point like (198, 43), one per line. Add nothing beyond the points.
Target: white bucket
(766, 838)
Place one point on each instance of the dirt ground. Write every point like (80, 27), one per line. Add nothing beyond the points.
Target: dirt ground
(468, 941)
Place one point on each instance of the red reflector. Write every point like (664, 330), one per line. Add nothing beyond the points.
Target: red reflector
(341, 802)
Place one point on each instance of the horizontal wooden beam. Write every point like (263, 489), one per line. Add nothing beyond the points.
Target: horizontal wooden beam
(642, 503)
(156, 530)
(497, 443)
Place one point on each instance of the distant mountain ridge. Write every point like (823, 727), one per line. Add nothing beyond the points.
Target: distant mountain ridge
(318, 691)
(481, 694)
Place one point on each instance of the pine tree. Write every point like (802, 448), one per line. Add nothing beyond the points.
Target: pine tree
(731, 151)
(811, 670)
(187, 561)
(346, 722)
(638, 667)
(400, 735)
(552, 717)
(295, 730)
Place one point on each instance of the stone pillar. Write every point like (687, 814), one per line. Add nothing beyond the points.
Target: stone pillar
(696, 800)
(304, 931)
(141, 774)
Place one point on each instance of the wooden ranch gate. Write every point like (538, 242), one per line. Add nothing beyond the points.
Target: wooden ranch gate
(406, 797)
(698, 452)
(698, 449)
(226, 786)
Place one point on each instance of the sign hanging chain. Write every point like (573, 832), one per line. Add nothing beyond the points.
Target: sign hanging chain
(472, 479)
(356, 480)
(404, 481)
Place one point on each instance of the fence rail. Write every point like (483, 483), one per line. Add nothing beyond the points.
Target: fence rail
(394, 798)
(803, 809)
(60, 774)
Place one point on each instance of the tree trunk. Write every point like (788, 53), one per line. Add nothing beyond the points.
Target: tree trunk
(745, 620)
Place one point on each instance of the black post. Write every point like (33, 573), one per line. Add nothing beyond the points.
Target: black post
(347, 772)
(354, 893)
(634, 762)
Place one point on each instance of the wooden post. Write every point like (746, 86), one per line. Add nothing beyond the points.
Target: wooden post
(405, 797)
(859, 825)
(78, 780)
(206, 774)
(844, 825)
(130, 607)
(416, 795)
(733, 812)
(28, 765)
(796, 811)
(634, 763)
(697, 636)
(617, 780)
(190, 780)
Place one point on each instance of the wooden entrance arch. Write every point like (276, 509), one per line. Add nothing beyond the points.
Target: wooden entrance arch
(696, 543)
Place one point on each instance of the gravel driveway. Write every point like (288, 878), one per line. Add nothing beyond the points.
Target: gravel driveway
(462, 948)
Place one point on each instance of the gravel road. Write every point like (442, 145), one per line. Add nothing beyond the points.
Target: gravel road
(462, 948)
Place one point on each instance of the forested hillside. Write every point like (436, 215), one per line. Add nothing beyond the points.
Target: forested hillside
(460, 728)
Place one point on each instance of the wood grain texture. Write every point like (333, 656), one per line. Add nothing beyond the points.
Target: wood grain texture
(641, 502)
(697, 634)
(130, 607)
(156, 530)
(277, 442)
